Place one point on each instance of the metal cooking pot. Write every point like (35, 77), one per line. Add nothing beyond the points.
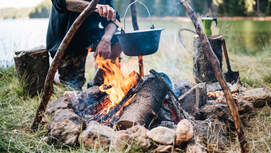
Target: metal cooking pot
(140, 42)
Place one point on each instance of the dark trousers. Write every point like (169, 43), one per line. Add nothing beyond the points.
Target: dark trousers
(72, 70)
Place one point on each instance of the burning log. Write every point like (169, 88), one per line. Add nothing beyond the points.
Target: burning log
(145, 105)
(32, 67)
(209, 53)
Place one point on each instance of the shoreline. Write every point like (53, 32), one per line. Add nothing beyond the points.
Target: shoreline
(235, 18)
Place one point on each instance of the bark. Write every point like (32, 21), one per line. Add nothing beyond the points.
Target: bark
(209, 53)
(145, 105)
(203, 71)
(194, 99)
(48, 85)
(32, 67)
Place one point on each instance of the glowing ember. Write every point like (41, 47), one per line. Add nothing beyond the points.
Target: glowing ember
(116, 85)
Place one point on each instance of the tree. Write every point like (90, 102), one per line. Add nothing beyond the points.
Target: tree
(42, 10)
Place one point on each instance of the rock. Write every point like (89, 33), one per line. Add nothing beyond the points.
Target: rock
(244, 107)
(184, 132)
(258, 97)
(194, 99)
(65, 127)
(162, 135)
(96, 135)
(216, 111)
(61, 103)
(136, 135)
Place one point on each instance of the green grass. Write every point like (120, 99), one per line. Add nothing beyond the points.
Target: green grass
(17, 109)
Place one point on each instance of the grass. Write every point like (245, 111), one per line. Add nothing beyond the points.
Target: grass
(17, 109)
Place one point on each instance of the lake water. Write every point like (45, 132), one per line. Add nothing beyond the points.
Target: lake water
(247, 37)
(20, 34)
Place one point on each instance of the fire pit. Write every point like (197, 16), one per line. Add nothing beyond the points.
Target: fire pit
(144, 110)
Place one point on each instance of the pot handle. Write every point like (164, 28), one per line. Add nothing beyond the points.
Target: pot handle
(180, 35)
(152, 26)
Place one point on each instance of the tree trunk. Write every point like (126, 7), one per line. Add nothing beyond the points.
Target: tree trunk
(32, 67)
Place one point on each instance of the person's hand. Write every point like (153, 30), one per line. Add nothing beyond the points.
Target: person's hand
(104, 49)
(106, 11)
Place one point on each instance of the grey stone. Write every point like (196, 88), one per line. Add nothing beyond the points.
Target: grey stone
(96, 135)
(136, 135)
(162, 135)
(258, 97)
(65, 127)
(184, 132)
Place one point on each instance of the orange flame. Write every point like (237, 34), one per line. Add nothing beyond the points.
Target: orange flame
(116, 85)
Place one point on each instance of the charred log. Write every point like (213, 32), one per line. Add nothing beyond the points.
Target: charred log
(194, 99)
(145, 105)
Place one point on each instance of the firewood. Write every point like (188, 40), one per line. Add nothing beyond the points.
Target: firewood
(48, 85)
(145, 105)
(209, 53)
(32, 67)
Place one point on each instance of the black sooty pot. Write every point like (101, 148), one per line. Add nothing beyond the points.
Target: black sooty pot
(140, 43)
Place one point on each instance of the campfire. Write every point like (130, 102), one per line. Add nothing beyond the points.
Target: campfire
(129, 108)
(116, 86)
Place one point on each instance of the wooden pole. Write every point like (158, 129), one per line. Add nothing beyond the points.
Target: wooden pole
(48, 85)
(135, 26)
(209, 53)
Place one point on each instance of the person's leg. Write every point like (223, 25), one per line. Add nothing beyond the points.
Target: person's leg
(72, 70)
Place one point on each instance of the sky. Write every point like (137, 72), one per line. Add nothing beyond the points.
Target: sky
(18, 3)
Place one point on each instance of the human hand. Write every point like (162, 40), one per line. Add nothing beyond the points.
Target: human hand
(106, 11)
(104, 49)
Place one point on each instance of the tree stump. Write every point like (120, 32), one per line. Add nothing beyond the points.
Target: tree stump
(32, 67)
(203, 71)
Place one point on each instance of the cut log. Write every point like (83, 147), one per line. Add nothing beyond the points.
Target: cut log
(32, 67)
(145, 105)
(203, 71)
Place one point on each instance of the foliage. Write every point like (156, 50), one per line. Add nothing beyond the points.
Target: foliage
(7, 13)
(42, 10)
(162, 8)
